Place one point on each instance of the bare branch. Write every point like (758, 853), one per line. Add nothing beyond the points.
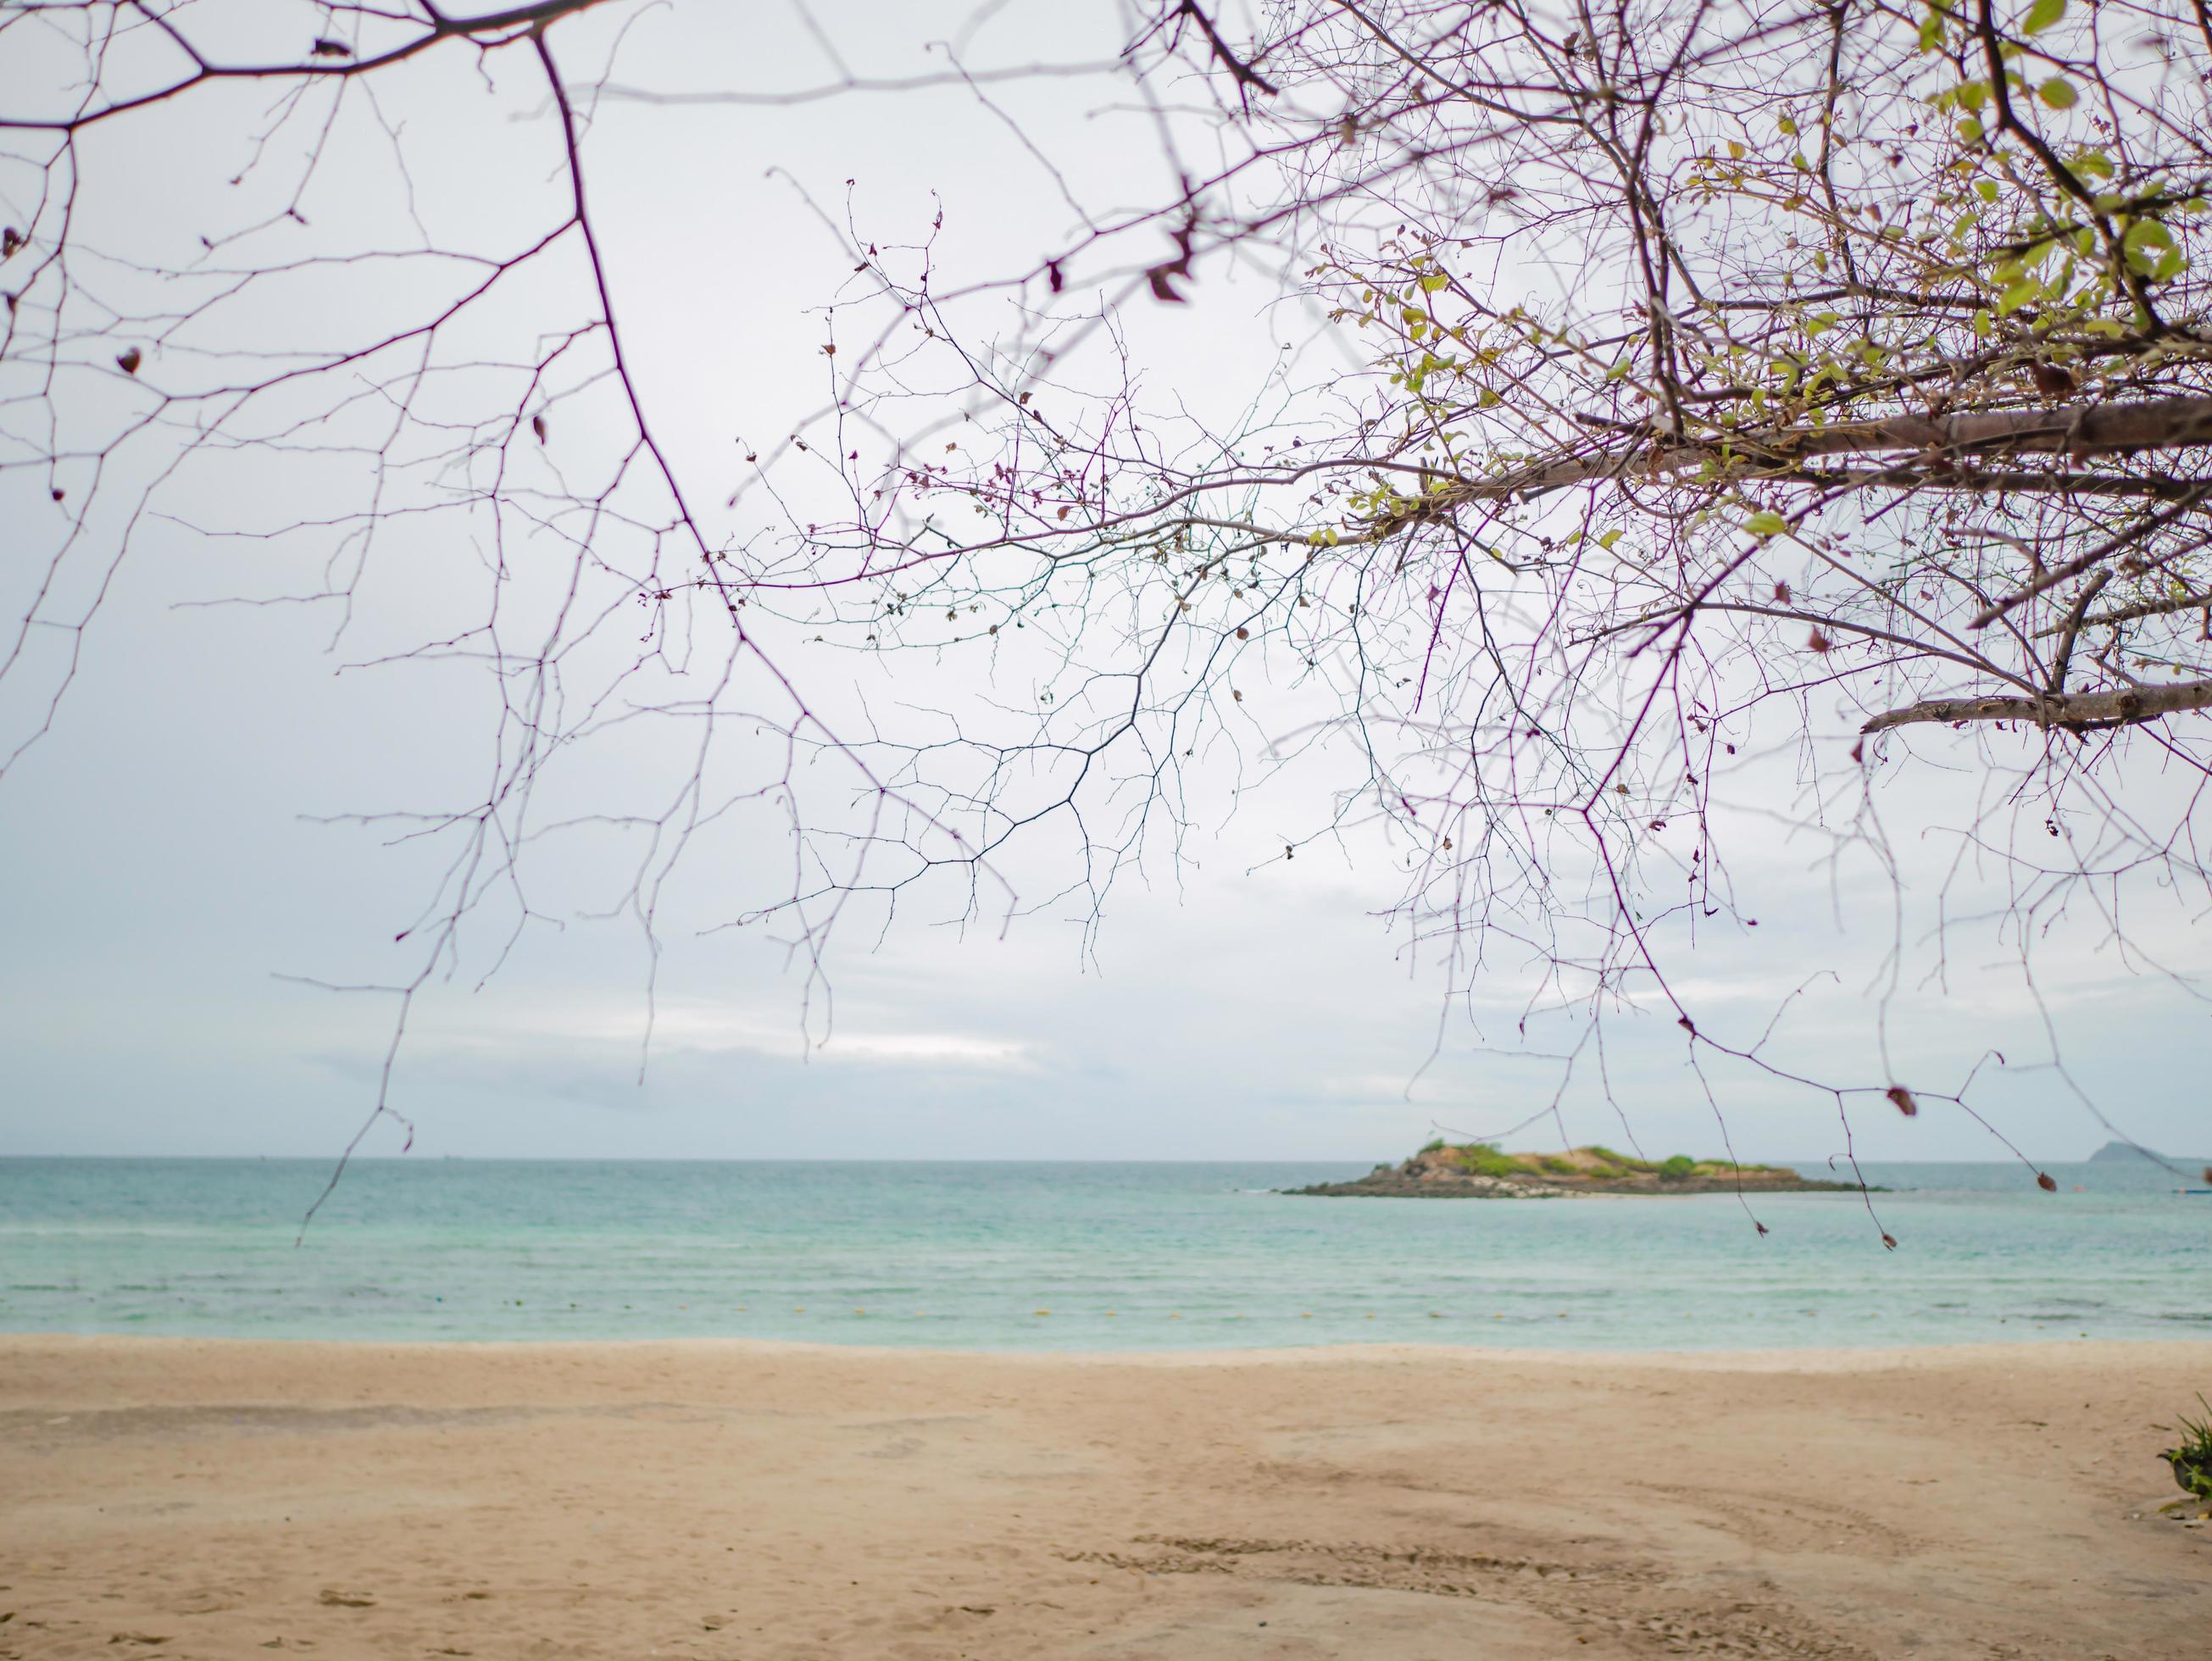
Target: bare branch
(2080, 712)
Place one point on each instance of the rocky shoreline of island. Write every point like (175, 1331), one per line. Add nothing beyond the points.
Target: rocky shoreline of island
(1479, 1171)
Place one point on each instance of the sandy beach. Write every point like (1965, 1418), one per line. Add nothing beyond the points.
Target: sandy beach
(188, 1498)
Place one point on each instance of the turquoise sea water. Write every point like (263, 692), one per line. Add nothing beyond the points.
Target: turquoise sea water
(1122, 1257)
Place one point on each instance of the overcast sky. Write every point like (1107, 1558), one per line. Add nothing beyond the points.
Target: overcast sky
(165, 873)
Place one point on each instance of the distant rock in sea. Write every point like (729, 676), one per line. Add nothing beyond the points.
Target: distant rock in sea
(1477, 1171)
(2112, 1152)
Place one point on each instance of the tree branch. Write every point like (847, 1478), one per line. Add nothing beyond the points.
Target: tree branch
(2080, 712)
(2149, 608)
(2078, 431)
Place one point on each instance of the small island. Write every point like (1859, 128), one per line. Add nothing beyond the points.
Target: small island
(2126, 1154)
(1477, 1171)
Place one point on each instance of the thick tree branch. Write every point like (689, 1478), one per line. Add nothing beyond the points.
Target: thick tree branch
(2082, 711)
(2077, 430)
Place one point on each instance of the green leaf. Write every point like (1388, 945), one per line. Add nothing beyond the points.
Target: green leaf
(2042, 15)
(1434, 281)
(1608, 538)
(2058, 92)
(2017, 296)
(2145, 235)
(1767, 523)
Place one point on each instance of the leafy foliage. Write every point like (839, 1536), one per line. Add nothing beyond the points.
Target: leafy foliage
(2192, 1456)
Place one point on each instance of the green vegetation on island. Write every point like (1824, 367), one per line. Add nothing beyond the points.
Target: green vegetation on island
(1596, 1161)
(1446, 1170)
